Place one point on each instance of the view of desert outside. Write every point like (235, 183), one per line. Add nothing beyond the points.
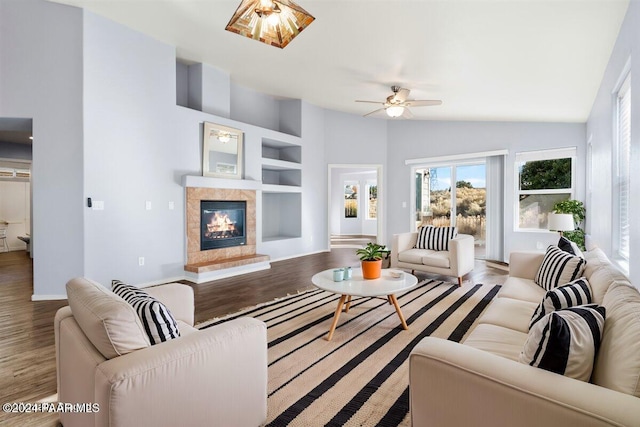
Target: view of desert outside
(434, 200)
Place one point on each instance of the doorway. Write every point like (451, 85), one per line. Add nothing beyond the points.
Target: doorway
(355, 207)
(15, 183)
(454, 195)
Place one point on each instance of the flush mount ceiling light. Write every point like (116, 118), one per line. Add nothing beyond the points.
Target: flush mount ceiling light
(269, 21)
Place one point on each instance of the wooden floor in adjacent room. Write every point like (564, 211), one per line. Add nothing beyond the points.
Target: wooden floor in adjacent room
(27, 352)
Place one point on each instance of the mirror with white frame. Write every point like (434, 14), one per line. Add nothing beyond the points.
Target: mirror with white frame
(222, 151)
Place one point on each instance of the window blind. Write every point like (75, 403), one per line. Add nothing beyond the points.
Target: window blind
(624, 154)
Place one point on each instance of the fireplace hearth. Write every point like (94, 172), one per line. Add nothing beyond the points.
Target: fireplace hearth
(222, 224)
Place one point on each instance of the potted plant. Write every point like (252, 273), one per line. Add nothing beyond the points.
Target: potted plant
(371, 260)
(577, 209)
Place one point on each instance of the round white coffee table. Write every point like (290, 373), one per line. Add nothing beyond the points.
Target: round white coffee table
(386, 285)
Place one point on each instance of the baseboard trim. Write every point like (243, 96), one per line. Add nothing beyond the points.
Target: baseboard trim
(284, 258)
(35, 297)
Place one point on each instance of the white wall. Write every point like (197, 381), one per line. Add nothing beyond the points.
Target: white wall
(41, 78)
(132, 150)
(600, 129)
(423, 139)
(249, 106)
(356, 140)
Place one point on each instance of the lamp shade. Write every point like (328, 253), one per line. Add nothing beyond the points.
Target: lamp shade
(560, 222)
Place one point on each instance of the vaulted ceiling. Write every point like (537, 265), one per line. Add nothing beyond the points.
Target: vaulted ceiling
(516, 60)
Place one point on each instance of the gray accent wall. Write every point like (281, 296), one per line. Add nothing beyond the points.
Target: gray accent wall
(41, 78)
(600, 133)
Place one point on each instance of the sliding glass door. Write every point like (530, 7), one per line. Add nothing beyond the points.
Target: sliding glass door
(454, 195)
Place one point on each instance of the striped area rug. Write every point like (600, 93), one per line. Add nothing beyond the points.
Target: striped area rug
(360, 377)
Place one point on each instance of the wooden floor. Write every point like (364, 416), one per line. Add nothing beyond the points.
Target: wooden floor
(27, 353)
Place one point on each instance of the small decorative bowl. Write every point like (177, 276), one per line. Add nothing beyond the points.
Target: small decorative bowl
(396, 274)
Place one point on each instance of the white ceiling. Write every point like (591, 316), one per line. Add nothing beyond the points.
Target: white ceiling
(504, 60)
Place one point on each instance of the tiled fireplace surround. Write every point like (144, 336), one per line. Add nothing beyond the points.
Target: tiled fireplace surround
(201, 262)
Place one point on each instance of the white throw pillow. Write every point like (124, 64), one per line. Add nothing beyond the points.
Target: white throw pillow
(112, 325)
(566, 341)
(559, 267)
(575, 293)
(158, 322)
(435, 238)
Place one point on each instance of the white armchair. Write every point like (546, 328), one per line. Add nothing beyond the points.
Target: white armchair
(214, 376)
(456, 262)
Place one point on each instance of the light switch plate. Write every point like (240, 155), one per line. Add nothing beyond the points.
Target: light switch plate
(97, 205)
(171, 206)
(147, 205)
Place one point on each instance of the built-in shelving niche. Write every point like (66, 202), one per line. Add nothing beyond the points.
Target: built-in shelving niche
(281, 163)
(281, 216)
(281, 190)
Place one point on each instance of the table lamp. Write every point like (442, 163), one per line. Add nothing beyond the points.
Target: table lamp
(560, 222)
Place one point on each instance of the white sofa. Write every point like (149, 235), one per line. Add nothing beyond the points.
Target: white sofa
(215, 376)
(481, 383)
(456, 262)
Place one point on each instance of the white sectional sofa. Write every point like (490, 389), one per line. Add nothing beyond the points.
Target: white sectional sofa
(481, 383)
(455, 262)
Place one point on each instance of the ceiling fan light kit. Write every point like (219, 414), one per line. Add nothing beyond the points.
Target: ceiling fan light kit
(394, 111)
(273, 22)
(397, 105)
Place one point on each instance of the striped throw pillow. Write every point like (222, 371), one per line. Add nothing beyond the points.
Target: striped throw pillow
(566, 341)
(575, 293)
(435, 238)
(559, 267)
(156, 318)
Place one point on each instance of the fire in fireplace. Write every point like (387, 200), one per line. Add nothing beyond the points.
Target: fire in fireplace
(222, 224)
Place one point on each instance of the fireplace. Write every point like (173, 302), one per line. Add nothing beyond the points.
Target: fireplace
(222, 224)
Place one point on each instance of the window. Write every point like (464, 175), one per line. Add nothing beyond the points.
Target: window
(544, 178)
(622, 179)
(372, 200)
(351, 199)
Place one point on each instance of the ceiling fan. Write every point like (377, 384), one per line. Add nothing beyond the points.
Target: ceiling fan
(397, 105)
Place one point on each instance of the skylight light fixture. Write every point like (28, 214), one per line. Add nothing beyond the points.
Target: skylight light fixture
(274, 22)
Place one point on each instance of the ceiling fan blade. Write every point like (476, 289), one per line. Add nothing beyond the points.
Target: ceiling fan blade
(407, 114)
(370, 102)
(422, 102)
(402, 95)
(373, 112)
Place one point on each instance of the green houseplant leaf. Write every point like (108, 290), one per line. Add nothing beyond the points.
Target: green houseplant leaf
(371, 252)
